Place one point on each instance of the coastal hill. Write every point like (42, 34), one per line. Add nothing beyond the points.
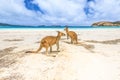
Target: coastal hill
(106, 23)
(5, 24)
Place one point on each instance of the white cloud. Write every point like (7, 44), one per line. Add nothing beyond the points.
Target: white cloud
(61, 12)
(107, 9)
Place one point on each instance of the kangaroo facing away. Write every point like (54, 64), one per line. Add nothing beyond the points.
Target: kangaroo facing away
(49, 41)
(72, 35)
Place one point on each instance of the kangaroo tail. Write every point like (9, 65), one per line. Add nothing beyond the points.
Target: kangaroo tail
(40, 47)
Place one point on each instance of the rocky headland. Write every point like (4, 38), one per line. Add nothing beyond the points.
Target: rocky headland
(106, 23)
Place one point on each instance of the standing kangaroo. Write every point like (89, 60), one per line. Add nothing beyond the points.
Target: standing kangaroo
(49, 41)
(72, 35)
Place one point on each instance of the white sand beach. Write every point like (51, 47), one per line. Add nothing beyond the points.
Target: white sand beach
(96, 58)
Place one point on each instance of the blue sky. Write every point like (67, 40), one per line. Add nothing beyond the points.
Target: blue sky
(58, 12)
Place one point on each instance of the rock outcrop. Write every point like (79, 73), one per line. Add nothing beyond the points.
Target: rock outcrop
(106, 23)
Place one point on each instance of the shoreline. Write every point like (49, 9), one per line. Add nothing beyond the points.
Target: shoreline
(52, 29)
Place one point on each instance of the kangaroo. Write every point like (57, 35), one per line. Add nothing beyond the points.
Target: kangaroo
(72, 35)
(49, 41)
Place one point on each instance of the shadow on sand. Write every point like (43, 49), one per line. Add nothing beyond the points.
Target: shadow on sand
(86, 46)
(115, 41)
(12, 40)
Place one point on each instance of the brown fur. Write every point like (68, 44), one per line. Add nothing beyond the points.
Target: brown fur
(72, 35)
(49, 41)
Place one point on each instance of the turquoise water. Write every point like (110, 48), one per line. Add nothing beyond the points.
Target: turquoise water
(54, 27)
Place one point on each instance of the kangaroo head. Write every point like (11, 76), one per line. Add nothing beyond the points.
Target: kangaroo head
(60, 33)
